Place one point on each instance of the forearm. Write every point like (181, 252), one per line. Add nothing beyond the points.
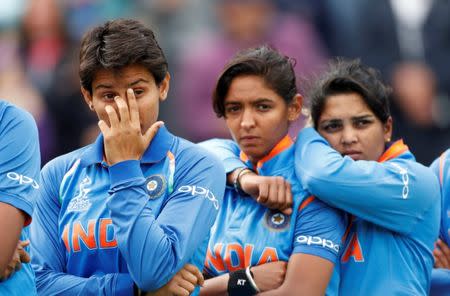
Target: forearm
(49, 282)
(215, 286)
(11, 224)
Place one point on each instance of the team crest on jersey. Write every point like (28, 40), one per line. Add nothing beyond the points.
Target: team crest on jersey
(276, 220)
(156, 185)
(81, 203)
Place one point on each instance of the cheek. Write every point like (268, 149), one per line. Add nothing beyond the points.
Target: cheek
(233, 126)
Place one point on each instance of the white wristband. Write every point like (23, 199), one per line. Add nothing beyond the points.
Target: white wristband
(250, 279)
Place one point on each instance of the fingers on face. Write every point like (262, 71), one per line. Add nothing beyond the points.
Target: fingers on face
(112, 116)
(122, 108)
(133, 107)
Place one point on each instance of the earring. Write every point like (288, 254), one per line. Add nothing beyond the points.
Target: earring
(91, 106)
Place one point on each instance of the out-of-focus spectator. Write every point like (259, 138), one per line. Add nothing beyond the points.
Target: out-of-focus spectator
(408, 40)
(242, 24)
(50, 62)
(17, 89)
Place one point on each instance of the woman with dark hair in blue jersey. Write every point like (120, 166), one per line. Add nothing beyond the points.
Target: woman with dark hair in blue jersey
(256, 94)
(349, 161)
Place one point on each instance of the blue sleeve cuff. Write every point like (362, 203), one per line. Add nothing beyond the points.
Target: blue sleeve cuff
(17, 202)
(232, 164)
(124, 285)
(124, 171)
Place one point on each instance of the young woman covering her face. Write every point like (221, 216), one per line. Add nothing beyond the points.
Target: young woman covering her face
(257, 96)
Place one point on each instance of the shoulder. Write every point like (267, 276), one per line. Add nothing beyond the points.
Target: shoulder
(191, 154)
(13, 117)
(63, 163)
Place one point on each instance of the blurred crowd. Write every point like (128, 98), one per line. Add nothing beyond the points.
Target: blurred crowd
(407, 40)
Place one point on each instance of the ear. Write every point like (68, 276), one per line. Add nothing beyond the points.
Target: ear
(87, 98)
(388, 130)
(295, 108)
(164, 88)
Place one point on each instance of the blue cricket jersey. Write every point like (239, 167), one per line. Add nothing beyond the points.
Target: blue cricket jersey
(247, 233)
(98, 229)
(396, 208)
(19, 181)
(440, 279)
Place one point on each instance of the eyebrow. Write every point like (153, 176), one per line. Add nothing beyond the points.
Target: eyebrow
(109, 86)
(368, 116)
(138, 81)
(257, 101)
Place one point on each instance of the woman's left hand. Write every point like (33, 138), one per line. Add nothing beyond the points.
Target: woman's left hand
(441, 255)
(20, 256)
(123, 138)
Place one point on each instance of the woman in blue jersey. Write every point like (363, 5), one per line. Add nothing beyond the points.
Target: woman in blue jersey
(123, 213)
(440, 277)
(257, 96)
(19, 185)
(350, 162)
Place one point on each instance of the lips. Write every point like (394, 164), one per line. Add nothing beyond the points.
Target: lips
(248, 140)
(355, 155)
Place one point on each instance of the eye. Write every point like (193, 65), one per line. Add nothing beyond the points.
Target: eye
(108, 96)
(232, 109)
(331, 127)
(361, 123)
(138, 92)
(263, 107)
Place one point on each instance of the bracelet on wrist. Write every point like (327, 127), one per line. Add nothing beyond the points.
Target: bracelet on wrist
(237, 180)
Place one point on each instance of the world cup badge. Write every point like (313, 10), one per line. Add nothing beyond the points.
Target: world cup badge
(276, 220)
(156, 185)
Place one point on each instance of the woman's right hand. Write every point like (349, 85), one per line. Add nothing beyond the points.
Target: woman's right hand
(182, 284)
(273, 192)
(269, 276)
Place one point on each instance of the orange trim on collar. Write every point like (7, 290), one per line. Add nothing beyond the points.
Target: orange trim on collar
(285, 143)
(395, 150)
(441, 168)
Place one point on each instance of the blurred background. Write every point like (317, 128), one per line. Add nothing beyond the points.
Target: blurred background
(407, 40)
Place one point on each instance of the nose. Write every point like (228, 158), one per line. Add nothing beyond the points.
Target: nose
(247, 119)
(349, 136)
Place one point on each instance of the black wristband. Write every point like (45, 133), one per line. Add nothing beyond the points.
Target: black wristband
(239, 284)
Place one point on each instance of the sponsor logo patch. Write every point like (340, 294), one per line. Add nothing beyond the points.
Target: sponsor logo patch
(156, 185)
(317, 241)
(22, 179)
(200, 191)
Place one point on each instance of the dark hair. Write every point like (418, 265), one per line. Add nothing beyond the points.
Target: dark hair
(276, 69)
(351, 76)
(117, 44)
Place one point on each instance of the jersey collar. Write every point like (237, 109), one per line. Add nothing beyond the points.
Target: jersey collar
(282, 146)
(157, 150)
(395, 149)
